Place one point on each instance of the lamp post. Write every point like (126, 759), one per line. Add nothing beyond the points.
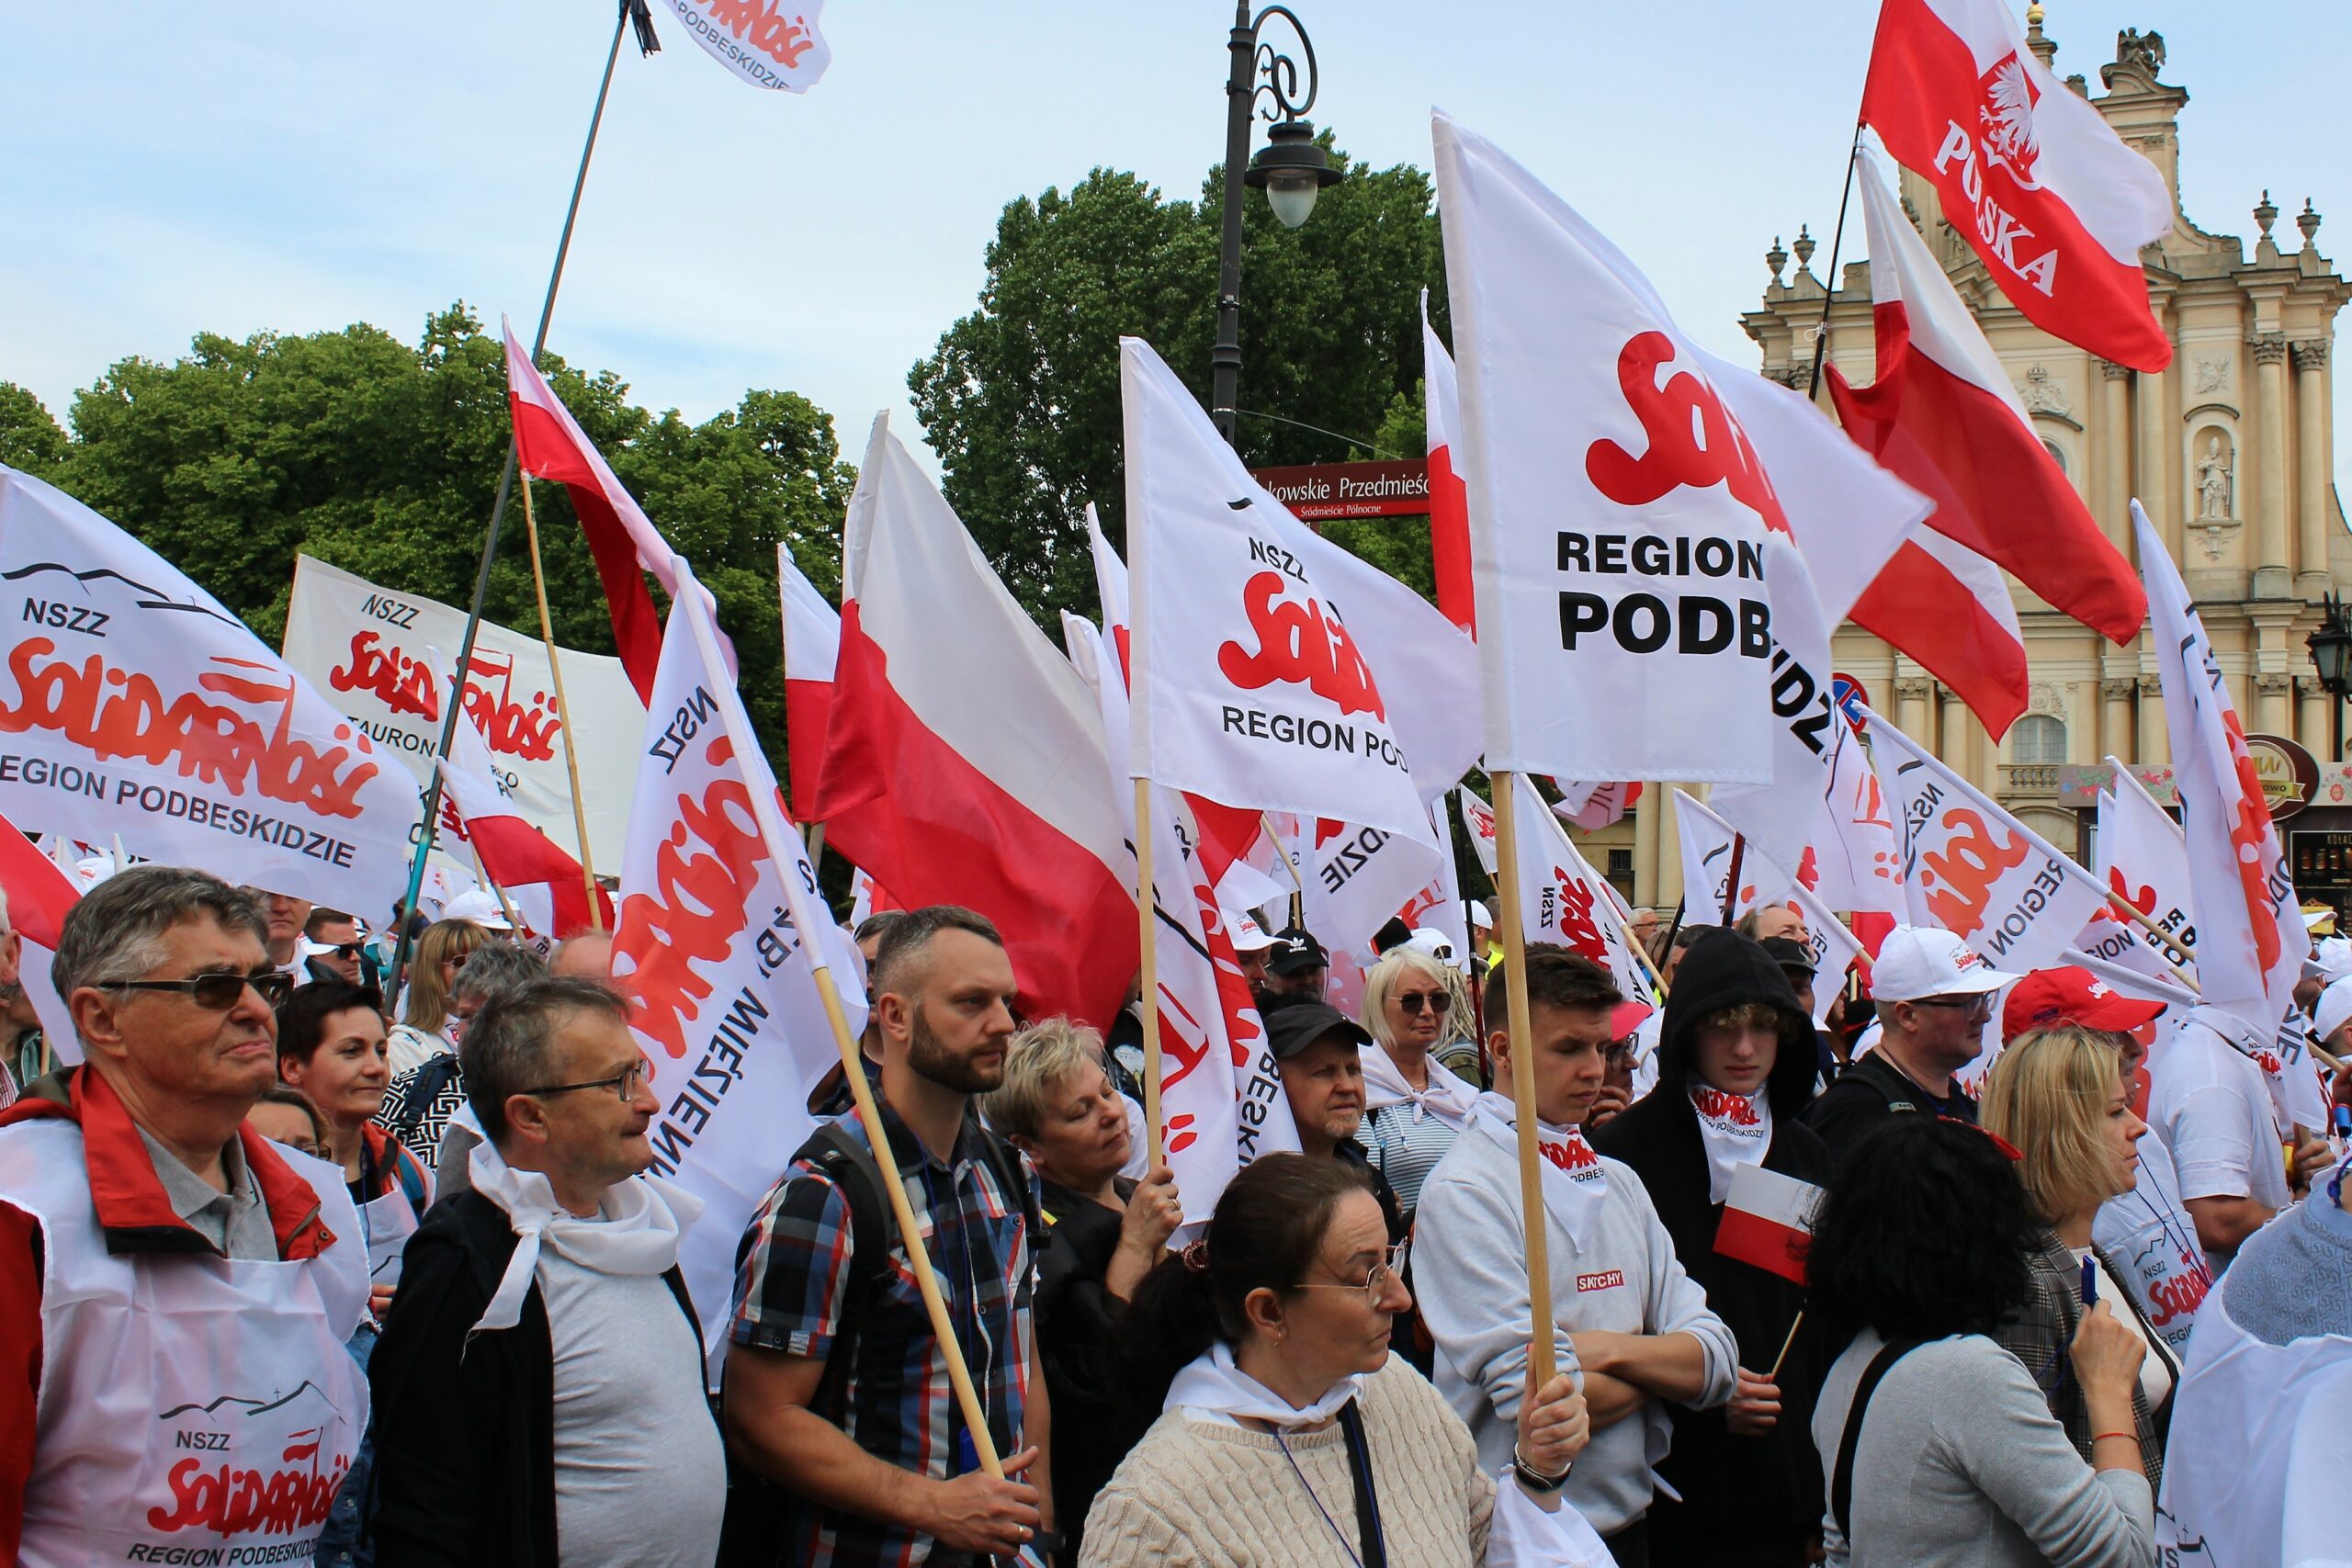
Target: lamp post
(2331, 649)
(1290, 169)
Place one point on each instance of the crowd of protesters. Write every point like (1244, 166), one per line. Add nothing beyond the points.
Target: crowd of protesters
(293, 1268)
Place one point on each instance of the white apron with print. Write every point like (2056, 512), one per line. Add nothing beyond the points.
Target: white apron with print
(387, 1221)
(194, 1409)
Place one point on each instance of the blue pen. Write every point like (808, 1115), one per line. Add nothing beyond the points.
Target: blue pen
(2090, 1281)
(2343, 1120)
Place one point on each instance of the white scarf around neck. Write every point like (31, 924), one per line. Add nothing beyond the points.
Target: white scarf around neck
(2289, 1106)
(1447, 1098)
(1214, 1386)
(1735, 1130)
(1574, 1184)
(637, 1230)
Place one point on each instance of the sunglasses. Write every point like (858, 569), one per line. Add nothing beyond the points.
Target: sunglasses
(1438, 1002)
(347, 949)
(221, 991)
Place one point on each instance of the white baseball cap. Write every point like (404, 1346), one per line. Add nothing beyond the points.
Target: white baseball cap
(1434, 942)
(2333, 1011)
(2331, 963)
(479, 906)
(1925, 961)
(1479, 917)
(1247, 935)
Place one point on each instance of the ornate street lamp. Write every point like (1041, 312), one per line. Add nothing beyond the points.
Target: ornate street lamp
(1292, 170)
(2331, 649)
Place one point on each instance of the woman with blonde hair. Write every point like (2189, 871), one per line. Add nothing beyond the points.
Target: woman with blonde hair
(427, 1021)
(2059, 1098)
(1414, 1106)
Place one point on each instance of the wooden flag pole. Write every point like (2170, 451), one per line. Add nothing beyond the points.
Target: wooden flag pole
(2123, 906)
(562, 714)
(1731, 881)
(1774, 1375)
(776, 836)
(1523, 1082)
(1267, 821)
(1147, 983)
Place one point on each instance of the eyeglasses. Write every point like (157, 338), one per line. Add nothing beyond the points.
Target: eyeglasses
(221, 990)
(625, 1083)
(1389, 1270)
(1978, 1007)
(1438, 1002)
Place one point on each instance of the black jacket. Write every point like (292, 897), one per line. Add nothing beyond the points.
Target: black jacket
(465, 1426)
(1078, 1322)
(1866, 1094)
(1746, 1500)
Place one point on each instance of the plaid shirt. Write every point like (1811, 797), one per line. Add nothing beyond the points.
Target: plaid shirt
(794, 1293)
(2041, 1331)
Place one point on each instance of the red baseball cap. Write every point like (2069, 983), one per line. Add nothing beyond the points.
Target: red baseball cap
(1627, 1016)
(2072, 995)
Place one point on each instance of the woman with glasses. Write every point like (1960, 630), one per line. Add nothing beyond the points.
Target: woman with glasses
(428, 1025)
(1414, 1106)
(1289, 1433)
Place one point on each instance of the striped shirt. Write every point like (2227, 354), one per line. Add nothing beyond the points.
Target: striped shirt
(793, 1292)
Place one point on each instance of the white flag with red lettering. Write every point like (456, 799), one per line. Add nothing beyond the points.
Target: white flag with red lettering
(721, 987)
(769, 43)
(2250, 933)
(2029, 172)
(1479, 819)
(1707, 841)
(2143, 858)
(1564, 901)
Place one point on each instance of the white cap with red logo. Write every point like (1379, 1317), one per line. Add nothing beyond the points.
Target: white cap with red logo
(1923, 961)
(1247, 934)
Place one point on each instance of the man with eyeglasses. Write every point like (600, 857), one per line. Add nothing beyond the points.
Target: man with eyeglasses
(540, 1382)
(176, 1290)
(1935, 997)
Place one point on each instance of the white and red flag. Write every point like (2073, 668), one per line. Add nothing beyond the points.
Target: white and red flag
(39, 894)
(1566, 901)
(1479, 820)
(1449, 504)
(133, 704)
(1767, 1221)
(2143, 859)
(720, 982)
(1976, 871)
(812, 642)
(964, 757)
(769, 43)
(550, 445)
(1706, 841)
(2029, 173)
(1592, 806)
(543, 880)
(2250, 938)
(1942, 414)
(1252, 687)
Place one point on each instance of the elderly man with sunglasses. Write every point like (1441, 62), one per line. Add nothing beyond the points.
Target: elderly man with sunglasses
(1935, 997)
(539, 1392)
(176, 1289)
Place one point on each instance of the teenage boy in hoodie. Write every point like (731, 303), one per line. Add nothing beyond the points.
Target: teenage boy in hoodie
(1626, 1318)
(1737, 1060)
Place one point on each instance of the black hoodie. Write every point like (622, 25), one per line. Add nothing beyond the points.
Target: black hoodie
(1746, 1501)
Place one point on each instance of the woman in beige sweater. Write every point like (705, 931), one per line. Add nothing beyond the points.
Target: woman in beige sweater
(1290, 1434)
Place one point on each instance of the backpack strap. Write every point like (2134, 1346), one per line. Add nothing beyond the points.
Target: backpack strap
(1368, 1530)
(1841, 1480)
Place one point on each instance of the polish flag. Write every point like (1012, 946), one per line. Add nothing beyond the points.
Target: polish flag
(515, 854)
(812, 640)
(2028, 172)
(1449, 503)
(1943, 415)
(1947, 607)
(1767, 1221)
(965, 759)
(550, 445)
(2250, 939)
(39, 894)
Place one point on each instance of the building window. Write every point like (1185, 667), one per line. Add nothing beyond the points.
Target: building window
(2038, 739)
(2057, 454)
(1621, 873)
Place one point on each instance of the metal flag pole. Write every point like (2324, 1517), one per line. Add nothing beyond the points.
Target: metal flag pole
(629, 11)
(1836, 240)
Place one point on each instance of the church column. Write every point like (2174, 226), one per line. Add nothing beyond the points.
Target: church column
(2311, 467)
(2148, 476)
(1669, 841)
(2271, 579)
(1952, 749)
(2115, 449)
(1911, 709)
(2270, 698)
(2316, 716)
(1647, 811)
(2153, 745)
(2115, 718)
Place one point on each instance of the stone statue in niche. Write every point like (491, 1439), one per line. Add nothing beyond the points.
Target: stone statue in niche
(2213, 480)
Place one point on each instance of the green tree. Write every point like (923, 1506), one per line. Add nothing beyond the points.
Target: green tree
(1021, 397)
(30, 439)
(384, 459)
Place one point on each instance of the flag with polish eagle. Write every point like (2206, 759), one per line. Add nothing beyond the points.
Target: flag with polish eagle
(543, 882)
(1942, 414)
(2251, 942)
(1564, 901)
(812, 643)
(964, 758)
(2030, 174)
(719, 977)
(550, 445)
(39, 894)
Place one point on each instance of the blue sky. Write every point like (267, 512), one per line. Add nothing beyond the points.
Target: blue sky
(167, 168)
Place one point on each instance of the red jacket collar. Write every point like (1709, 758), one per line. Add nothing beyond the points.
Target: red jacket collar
(133, 1210)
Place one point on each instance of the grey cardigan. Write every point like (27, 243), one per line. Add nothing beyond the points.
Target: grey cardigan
(1961, 1465)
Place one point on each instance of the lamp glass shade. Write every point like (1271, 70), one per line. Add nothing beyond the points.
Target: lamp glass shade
(2331, 649)
(1292, 195)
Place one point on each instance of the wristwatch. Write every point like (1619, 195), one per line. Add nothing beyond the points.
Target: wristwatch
(1534, 1479)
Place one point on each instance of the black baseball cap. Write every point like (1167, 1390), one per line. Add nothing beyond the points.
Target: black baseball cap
(1295, 949)
(1293, 1026)
(1790, 953)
